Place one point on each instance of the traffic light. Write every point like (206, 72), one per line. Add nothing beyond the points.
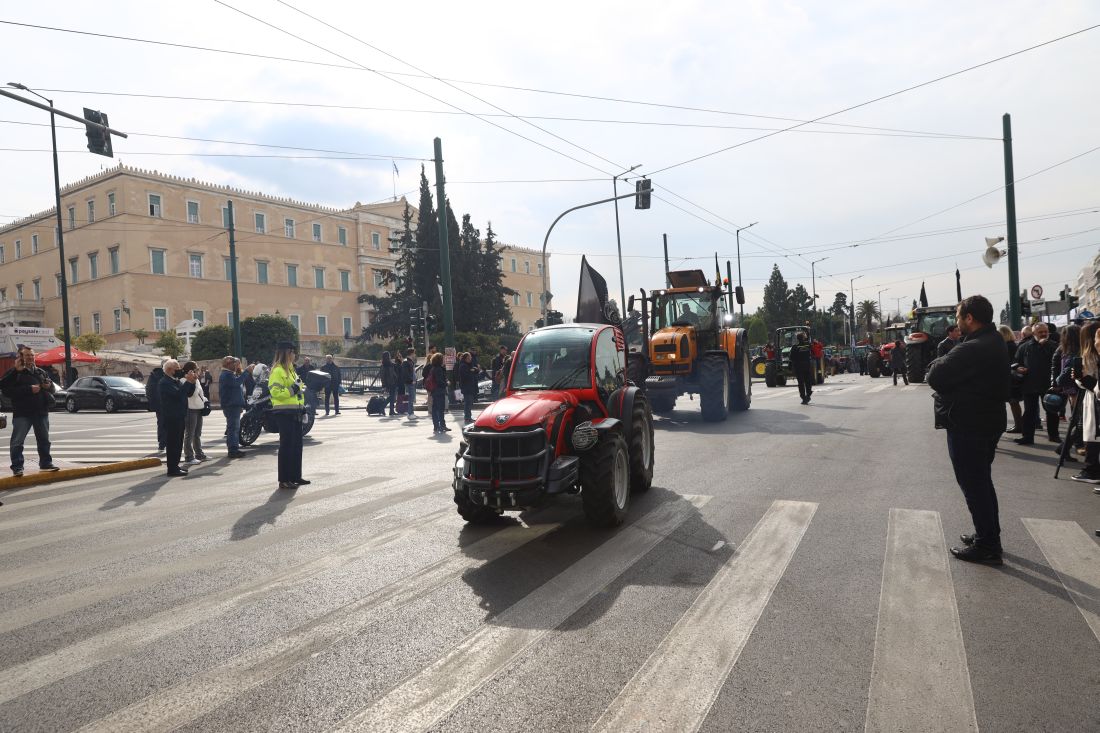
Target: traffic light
(642, 189)
(99, 140)
(1071, 302)
(1025, 305)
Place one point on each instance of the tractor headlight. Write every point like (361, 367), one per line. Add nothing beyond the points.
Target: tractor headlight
(585, 436)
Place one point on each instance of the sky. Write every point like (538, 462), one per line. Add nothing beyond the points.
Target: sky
(538, 106)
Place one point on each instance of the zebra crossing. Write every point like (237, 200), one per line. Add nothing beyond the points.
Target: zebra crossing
(760, 392)
(919, 673)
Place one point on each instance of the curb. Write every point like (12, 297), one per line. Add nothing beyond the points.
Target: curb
(50, 477)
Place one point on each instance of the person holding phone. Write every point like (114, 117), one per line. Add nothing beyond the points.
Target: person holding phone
(173, 409)
(30, 390)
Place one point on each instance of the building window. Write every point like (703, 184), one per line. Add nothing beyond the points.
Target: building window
(261, 223)
(379, 279)
(154, 205)
(36, 288)
(194, 265)
(74, 265)
(530, 302)
(76, 326)
(261, 272)
(527, 267)
(112, 255)
(2, 258)
(228, 264)
(316, 232)
(111, 204)
(34, 244)
(91, 215)
(72, 217)
(192, 212)
(375, 240)
(3, 293)
(347, 327)
(345, 280)
(93, 265)
(18, 249)
(540, 268)
(513, 264)
(95, 323)
(117, 313)
(342, 236)
(57, 281)
(322, 325)
(319, 278)
(19, 292)
(296, 321)
(292, 275)
(225, 217)
(199, 316)
(160, 319)
(156, 261)
(288, 227)
(515, 298)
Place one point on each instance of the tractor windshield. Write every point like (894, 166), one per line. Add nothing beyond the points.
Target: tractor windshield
(684, 309)
(554, 358)
(935, 324)
(787, 339)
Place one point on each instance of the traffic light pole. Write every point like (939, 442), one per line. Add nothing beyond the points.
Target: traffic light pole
(238, 350)
(1010, 216)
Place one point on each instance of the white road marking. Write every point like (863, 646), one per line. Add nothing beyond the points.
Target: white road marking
(878, 388)
(718, 545)
(675, 688)
(189, 699)
(1076, 558)
(919, 677)
(425, 698)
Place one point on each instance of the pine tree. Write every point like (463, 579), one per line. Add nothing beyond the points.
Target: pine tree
(392, 312)
(777, 301)
(497, 315)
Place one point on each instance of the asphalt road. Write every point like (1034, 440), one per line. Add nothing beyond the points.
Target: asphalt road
(788, 571)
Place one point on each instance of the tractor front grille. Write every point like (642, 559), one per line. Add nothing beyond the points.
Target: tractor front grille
(507, 458)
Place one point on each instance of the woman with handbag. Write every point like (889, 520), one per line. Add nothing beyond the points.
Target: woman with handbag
(1086, 396)
(287, 405)
(198, 406)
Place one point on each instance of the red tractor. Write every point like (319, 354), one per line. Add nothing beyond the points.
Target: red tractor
(878, 360)
(569, 422)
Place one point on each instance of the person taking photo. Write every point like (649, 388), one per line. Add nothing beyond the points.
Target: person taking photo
(30, 390)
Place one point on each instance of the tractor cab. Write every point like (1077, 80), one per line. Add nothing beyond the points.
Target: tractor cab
(777, 370)
(692, 308)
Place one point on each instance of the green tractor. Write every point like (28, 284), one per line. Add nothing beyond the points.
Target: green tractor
(777, 369)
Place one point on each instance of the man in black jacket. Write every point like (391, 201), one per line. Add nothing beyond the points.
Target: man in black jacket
(950, 342)
(332, 387)
(173, 411)
(802, 364)
(971, 384)
(1034, 358)
(152, 392)
(30, 391)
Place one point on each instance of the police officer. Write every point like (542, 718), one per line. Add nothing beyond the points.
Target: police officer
(287, 405)
(802, 362)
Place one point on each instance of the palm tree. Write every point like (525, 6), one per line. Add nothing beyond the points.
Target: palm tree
(866, 313)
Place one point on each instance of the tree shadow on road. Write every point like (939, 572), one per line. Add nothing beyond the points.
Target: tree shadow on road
(249, 525)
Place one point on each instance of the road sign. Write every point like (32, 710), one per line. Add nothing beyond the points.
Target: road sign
(1037, 292)
(449, 357)
(1057, 308)
(1038, 306)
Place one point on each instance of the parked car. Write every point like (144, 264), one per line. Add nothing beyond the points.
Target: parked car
(106, 393)
(59, 395)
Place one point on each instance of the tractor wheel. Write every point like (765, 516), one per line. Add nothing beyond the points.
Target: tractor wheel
(641, 446)
(605, 482)
(740, 385)
(714, 387)
(781, 380)
(874, 365)
(636, 369)
(769, 374)
(662, 404)
(914, 365)
(819, 373)
(759, 367)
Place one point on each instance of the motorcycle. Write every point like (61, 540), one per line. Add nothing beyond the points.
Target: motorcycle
(258, 416)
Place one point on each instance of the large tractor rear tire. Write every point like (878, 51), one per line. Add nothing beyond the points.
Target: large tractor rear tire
(769, 374)
(914, 364)
(759, 367)
(874, 365)
(741, 385)
(781, 380)
(641, 446)
(605, 482)
(714, 387)
(662, 404)
(819, 367)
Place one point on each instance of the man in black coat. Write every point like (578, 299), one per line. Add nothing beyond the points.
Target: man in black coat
(173, 411)
(332, 387)
(971, 384)
(897, 362)
(152, 392)
(1034, 358)
(30, 390)
(802, 364)
(950, 342)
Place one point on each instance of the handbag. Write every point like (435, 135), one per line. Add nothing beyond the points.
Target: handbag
(205, 408)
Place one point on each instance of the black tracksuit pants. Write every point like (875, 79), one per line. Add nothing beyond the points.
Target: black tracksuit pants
(805, 377)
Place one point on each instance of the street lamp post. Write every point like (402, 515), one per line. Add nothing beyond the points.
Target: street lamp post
(813, 280)
(852, 310)
(880, 318)
(737, 234)
(618, 239)
(899, 299)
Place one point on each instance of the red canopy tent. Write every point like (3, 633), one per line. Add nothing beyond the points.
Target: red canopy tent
(56, 355)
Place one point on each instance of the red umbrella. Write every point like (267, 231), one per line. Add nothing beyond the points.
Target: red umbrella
(56, 355)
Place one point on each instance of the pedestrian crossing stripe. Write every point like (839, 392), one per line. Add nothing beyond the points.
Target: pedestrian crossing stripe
(1075, 557)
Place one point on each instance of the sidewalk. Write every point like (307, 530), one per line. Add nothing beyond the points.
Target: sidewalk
(33, 476)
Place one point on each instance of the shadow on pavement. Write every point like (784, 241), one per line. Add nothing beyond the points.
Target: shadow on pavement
(776, 422)
(502, 582)
(138, 494)
(249, 525)
(1088, 594)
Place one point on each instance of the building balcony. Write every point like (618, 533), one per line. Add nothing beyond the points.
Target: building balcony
(22, 312)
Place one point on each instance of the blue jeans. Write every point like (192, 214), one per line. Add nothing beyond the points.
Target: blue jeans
(232, 428)
(410, 390)
(972, 458)
(20, 427)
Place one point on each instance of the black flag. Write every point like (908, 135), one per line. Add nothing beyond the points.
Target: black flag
(958, 284)
(923, 297)
(592, 304)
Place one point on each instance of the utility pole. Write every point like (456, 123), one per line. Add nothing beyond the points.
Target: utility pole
(668, 283)
(618, 238)
(737, 234)
(852, 310)
(236, 305)
(813, 280)
(427, 342)
(1010, 216)
(444, 250)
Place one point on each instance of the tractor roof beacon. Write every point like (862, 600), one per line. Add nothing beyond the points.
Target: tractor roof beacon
(569, 422)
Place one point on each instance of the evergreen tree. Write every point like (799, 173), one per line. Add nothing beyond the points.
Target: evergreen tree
(802, 304)
(777, 302)
(392, 312)
(839, 308)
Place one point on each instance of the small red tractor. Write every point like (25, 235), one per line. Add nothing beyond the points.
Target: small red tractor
(569, 421)
(878, 360)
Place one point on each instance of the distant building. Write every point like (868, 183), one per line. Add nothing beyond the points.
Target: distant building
(522, 268)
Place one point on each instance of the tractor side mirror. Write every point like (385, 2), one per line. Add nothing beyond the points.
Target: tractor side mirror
(739, 294)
